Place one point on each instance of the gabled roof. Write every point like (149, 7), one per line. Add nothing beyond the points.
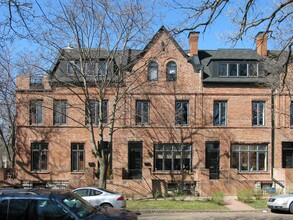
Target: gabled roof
(160, 32)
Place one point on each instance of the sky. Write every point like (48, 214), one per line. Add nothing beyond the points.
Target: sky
(215, 35)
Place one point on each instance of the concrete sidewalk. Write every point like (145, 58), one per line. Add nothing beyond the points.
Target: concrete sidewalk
(233, 204)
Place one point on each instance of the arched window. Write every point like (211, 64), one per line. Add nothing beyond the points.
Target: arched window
(171, 71)
(153, 71)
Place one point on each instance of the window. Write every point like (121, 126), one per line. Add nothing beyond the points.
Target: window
(153, 71)
(77, 157)
(142, 112)
(70, 67)
(223, 70)
(258, 113)
(291, 114)
(181, 112)
(249, 158)
(60, 111)
(102, 67)
(220, 113)
(171, 71)
(234, 69)
(287, 155)
(36, 112)
(91, 67)
(173, 157)
(243, 71)
(39, 156)
(94, 111)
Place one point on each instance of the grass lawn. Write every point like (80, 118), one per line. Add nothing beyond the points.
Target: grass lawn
(170, 204)
(258, 204)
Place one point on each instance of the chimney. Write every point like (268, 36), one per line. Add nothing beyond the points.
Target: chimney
(261, 41)
(193, 42)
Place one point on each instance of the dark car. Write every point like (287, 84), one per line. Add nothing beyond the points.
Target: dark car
(47, 204)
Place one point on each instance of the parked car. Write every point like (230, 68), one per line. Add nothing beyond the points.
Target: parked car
(281, 202)
(101, 197)
(45, 204)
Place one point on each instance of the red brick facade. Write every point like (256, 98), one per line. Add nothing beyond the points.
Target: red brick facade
(162, 128)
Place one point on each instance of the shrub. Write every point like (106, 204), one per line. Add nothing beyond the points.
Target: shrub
(245, 195)
(258, 194)
(218, 198)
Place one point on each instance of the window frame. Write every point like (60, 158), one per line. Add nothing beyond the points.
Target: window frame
(227, 68)
(77, 152)
(42, 150)
(165, 150)
(179, 115)
(258, 113)
(171, 66)
(151, 68)
(141, 112)
(220, 104)
(93, 111)
(36, 112)
(244, 154)
(60, 111)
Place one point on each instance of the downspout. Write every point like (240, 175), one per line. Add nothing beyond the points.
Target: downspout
(273, 133)
(273, 140)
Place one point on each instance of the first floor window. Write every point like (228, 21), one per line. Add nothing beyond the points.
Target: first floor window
(287, 155)
(172, 157)
(258, 113)
(39, 160)
(77, 157)
(220, 113)
(142, 112)
(249, 158)
(181, 112)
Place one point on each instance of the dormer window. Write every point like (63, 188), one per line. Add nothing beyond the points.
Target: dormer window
(153, 71)
(102, 67)
(171, 71)
(233, 69)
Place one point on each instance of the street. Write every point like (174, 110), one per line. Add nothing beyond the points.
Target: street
(216, 216)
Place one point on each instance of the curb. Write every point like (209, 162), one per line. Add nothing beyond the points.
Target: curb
(146, 211)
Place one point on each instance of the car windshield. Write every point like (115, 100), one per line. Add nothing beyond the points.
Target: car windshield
(79, 206)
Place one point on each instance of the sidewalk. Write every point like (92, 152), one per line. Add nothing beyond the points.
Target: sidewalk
(233, 204)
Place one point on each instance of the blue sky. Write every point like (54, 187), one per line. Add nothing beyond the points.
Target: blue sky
(214, 36)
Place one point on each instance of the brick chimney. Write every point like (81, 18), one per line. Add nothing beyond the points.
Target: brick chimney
(261, 41)
(193, 42)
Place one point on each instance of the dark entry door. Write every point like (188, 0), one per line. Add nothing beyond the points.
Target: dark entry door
(134, 160)
(213, 159)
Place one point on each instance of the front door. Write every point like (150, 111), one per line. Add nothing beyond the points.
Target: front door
(134, 160)
(213, 159)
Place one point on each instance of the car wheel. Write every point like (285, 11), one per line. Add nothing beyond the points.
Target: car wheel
(291, 208)
(106, 205)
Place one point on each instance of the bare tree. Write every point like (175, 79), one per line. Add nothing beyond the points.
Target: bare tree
(99, 35)
(248, 16)
(7, 110)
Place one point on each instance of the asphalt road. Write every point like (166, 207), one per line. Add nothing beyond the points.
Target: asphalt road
(216, 216)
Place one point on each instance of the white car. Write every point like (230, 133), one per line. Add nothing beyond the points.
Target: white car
(101, 197)
(282, 202)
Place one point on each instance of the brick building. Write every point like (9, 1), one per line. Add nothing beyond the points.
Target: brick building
(199, 121)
